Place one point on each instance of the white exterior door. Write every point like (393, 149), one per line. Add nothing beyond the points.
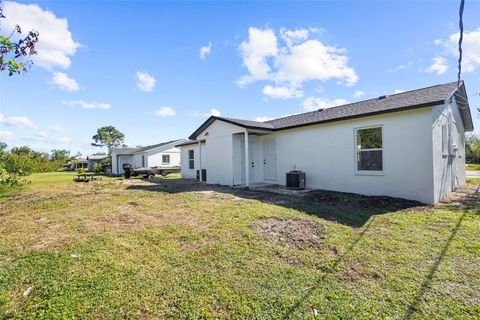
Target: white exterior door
(270, 159)
(252, 146)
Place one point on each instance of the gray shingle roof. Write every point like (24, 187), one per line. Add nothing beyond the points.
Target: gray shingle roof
(124, 150)
(189, 142)
(97, 157)
(146, 148)
(153, 146)
(424, 97)
(250, 123)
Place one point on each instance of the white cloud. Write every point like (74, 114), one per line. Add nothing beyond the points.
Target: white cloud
(398, 91)
(470, 47)
(64, 82)
(41, 135)
(312, 60)
(292, 37)
(438, 66)
(57, 129)
(261, 44)
(17, 121)
(165, 112)
(300, 59)
(86, 105)
(263, 118)
(283, 92)
(408, 65)
(6, 136)
(55, 46)
(213, 112)
(145, 82)
(205, 51)
(314, 103)
(45, 138)
(358, 94)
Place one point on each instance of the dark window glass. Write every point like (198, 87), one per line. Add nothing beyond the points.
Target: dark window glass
(369, 149)
(370, 160)
(166, 158)
(191, 160)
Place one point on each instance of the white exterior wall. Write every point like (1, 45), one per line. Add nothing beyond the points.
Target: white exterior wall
(154, 158)
(449, 168)
(188, 173)
(326, 153)
(218, 152)
(255, 155)
(134, 159)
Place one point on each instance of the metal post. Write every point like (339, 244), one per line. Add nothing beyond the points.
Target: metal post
(247, 161)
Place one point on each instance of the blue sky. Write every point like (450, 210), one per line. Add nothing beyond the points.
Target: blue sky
(140, 66)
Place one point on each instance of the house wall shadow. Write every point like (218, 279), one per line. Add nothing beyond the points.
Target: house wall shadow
(346, 208)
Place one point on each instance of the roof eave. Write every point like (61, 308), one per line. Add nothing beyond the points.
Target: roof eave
(212, 119)
(190, 143)
(464, 108)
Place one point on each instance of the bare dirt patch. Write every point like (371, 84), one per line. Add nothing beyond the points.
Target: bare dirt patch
(334, 198)
(298, 233)
(357, 270)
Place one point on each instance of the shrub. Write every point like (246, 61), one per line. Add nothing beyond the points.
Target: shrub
(9, 181)
(25, 164)
(98, 168)
(81, 170)
(472, 149)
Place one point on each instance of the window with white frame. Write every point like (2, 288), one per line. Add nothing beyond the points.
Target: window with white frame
(369, 153)
(444, 140)
(165, 158)
(191, 159)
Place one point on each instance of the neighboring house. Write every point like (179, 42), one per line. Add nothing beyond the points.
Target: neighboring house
(409, 145)
(78, 162)
(163, 154)
(94, 159)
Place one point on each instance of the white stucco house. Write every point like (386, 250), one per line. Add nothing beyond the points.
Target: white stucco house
(163, 154)
(409, 145)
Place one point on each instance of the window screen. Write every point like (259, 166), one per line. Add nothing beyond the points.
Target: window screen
(165, 158)
(444, 139)
(191, 159)
(369, 149)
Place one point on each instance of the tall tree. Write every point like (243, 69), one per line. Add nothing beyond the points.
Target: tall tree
(22, 151)
(109, 137)
(60, 154)
(15, 54)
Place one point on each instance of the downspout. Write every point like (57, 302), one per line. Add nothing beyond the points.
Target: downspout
(200, 161)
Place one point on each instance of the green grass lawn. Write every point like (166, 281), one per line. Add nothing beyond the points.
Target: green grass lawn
(119, 249)
(473, 167)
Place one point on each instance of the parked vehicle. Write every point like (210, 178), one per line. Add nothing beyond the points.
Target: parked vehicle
(148, 173)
